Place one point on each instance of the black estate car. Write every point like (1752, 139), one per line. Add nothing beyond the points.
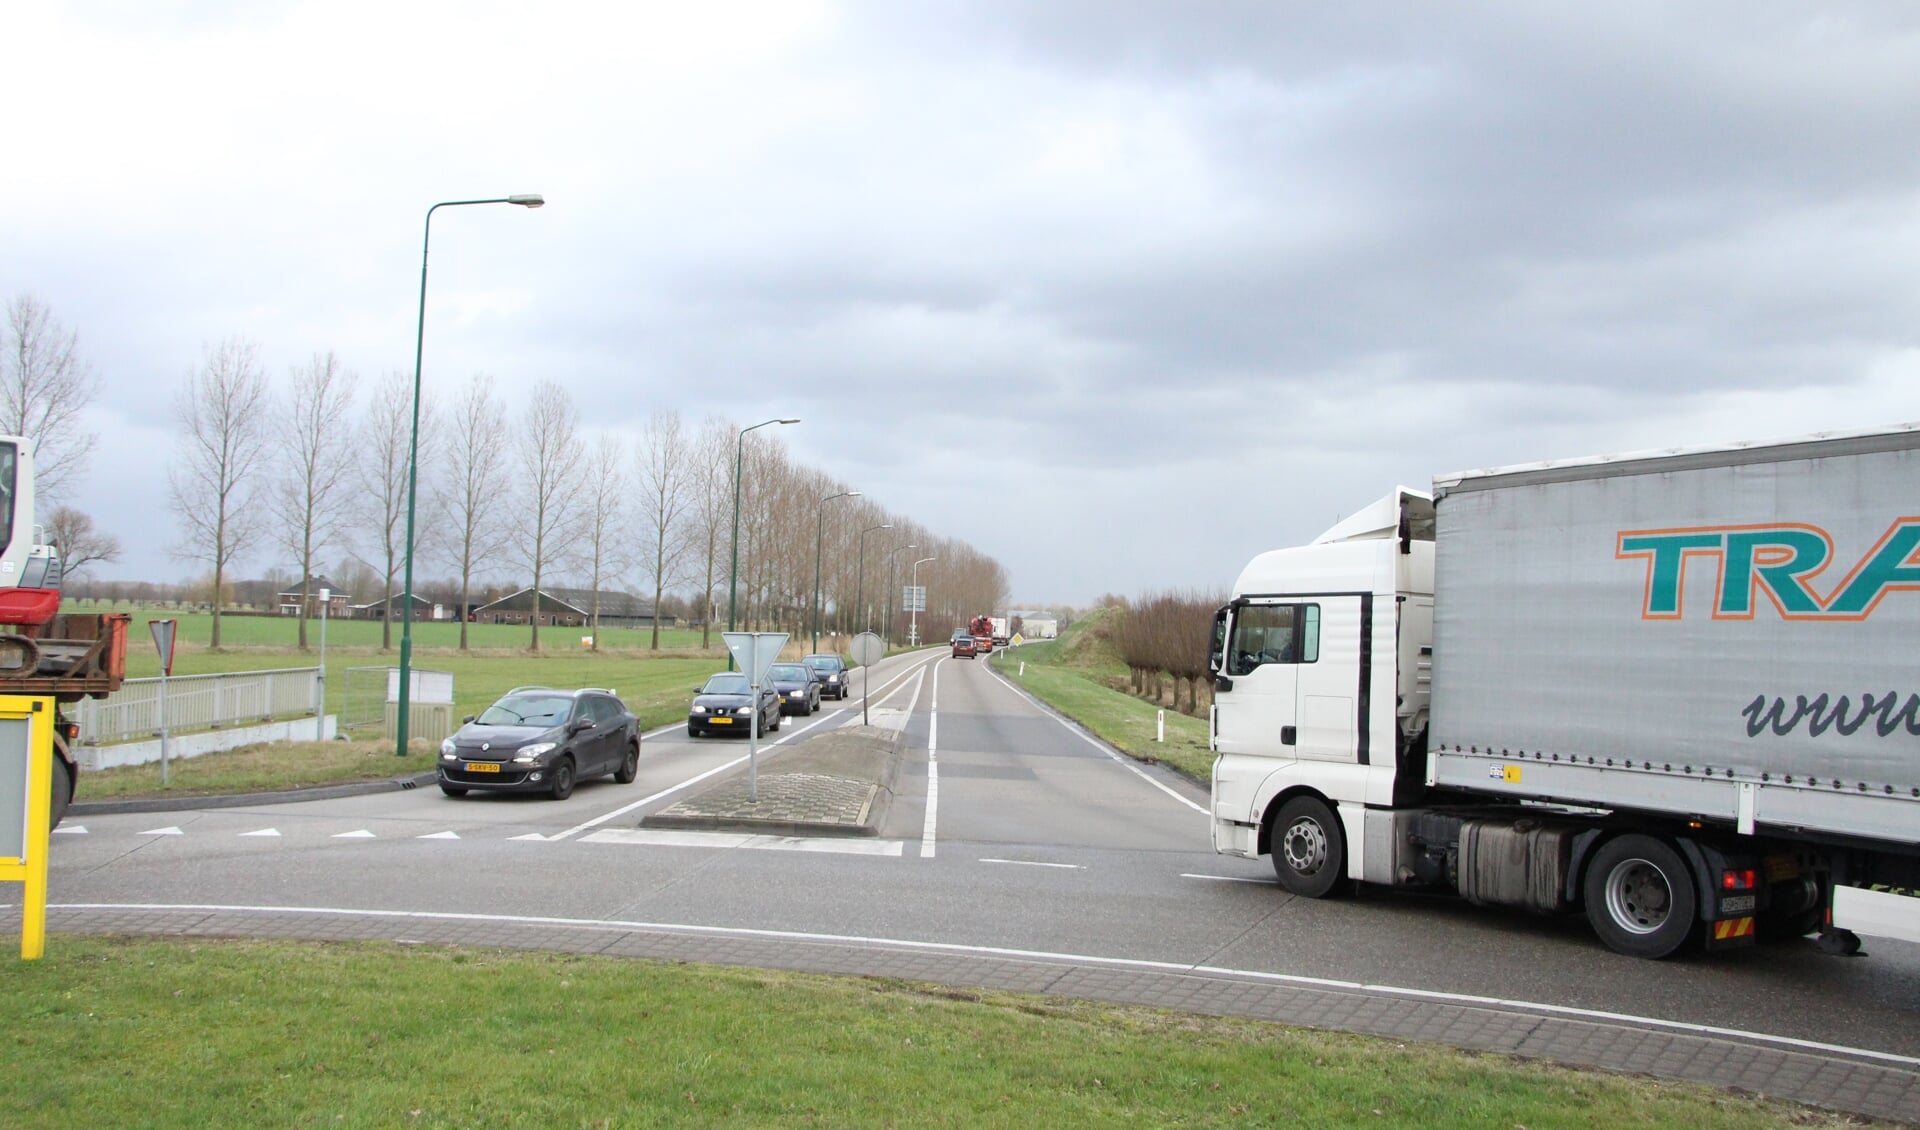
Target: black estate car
(538, 739)
(725, 704)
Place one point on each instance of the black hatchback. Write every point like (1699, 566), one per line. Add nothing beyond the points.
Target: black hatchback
(538, 739)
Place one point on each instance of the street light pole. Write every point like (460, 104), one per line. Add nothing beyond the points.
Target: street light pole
(733, 574)
(892, 556)
(860, 575)
(524, 200)
(819, 542)
(913, 616)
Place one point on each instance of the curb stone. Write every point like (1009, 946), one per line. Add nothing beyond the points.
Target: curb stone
(245, 800)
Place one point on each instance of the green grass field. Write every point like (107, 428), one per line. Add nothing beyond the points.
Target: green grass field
(1074, 675)
(196, 1034)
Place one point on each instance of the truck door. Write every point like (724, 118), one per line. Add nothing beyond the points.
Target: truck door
(1258, 715)
(1328, 674)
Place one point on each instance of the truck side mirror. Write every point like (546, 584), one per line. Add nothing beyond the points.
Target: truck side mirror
(1217, 649)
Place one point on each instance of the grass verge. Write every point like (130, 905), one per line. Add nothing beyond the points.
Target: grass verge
(1072, 674)
(195, 1034)
(257, 769)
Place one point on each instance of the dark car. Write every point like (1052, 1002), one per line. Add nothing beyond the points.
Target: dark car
(963, 647)
(538, 739)
(832, 672)
(725, 705)
(799, 691)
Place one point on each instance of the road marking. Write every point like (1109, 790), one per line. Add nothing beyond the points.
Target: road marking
(1123, 760)
(71, 830)
(263, 832)
(439, 836)
(1232, 879)
(360, 834)
(1037, 863)
(674, 837)
(927, 828)
(908, 945)
(694, 780)
(175, 831)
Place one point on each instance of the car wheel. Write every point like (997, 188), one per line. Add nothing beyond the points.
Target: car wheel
(691, 732)
(630, 765)
(1309, 850)
(1640, 897)
(452, 790)
(777, 719)
(562, 786)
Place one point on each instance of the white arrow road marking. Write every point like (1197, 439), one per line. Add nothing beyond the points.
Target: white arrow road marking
(449, 835)
(361, 834)
(71, 830)
(163, 832)
(263, 832)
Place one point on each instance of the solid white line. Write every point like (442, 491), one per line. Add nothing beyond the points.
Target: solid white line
(1123, 760)
(1231, 879)
(1002, 951)
(1037, 863)
(928, 827)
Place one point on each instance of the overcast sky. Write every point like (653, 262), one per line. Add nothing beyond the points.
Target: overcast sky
(1123, 293)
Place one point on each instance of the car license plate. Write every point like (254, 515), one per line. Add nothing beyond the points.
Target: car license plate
(722, 721)
(482, 767)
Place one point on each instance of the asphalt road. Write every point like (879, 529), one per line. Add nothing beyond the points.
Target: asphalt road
(1010, 830)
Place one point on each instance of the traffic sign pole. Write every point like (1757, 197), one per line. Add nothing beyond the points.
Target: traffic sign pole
(755, 652)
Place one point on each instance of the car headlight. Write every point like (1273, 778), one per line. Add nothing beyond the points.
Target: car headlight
(529, 752)
(744, 710)
(698, 709)
(833, 678)
(446, 748)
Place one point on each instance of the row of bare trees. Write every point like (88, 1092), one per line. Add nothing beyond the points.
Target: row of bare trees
(1164, 636)
(310, 471)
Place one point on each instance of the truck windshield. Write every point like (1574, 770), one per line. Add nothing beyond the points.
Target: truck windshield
(1273, 633)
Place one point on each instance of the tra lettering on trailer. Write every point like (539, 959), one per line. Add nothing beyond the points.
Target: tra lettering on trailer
(1780, 561)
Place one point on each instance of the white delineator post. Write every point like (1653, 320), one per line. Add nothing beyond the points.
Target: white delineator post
(1160, 734)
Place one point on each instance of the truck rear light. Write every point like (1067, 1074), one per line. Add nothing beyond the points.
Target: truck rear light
(70, 731)
(1741, 879)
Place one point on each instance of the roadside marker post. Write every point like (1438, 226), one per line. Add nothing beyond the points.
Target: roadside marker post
(754, 652)
(1160, 733)
(26, 786)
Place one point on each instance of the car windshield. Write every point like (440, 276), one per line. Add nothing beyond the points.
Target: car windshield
(726, 684)
(823, 662)
(790, 672)
(528, 710)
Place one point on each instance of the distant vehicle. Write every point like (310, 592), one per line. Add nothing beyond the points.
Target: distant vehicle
(725, 704)
(963, 647)
(1000, 641)
(831, 670)
(982, 629)
(538, 739)
(797, 687)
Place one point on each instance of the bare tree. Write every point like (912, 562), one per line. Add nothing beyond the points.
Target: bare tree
(225, 430)
(44, 386)
(667, 475)
(386, 435)
(605, 501)
(713, 457)
(550, 466)
(476, 477)
(80, 543)
(316, 469)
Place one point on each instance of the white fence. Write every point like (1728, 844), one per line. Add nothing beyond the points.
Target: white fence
(198, 702)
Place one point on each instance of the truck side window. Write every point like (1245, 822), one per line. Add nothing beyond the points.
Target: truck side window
(1262, 633)
(1309, 633)
(8, 471)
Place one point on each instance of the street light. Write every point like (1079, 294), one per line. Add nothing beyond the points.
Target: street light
(733, 574)
(860, 574)
(524, 200)
(892, 556)
(913, 616)
(819, 541)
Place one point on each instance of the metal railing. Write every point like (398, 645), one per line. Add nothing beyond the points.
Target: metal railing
(198, 702)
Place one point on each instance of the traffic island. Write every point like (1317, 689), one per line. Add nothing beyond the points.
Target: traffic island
(837, 784)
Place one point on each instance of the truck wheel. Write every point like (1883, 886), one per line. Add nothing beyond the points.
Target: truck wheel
(62, 793)
(1640, 897)
(1309, 852)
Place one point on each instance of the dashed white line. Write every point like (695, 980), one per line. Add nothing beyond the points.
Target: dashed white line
(1037, 863)
(931, 823)
(71, 830)
(672, 837)
(448, 835)
(1230, 879)
(273, 833)
(357, 834)
(173, 831)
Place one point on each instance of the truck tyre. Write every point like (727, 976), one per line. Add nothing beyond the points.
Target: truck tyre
(62, 792)
(1309, 850)
(1640, 897)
